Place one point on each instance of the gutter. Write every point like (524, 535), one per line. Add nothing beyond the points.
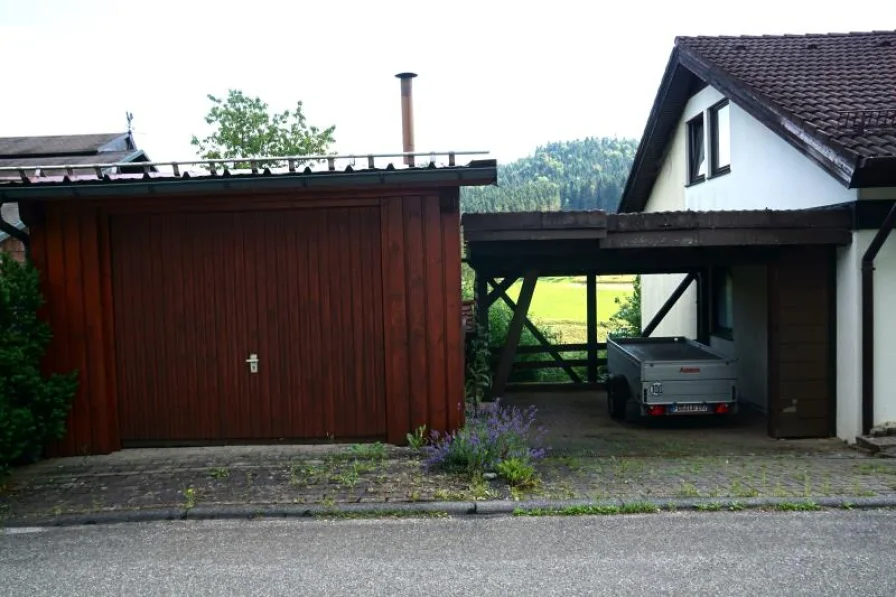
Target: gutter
(868, 318)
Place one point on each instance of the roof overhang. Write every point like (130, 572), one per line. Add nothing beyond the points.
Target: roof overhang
(663, 242)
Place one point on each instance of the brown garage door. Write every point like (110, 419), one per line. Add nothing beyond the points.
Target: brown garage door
(196, 294)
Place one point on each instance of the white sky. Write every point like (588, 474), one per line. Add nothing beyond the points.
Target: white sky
(499, 75)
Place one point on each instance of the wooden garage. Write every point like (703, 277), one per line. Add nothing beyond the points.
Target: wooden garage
(256, 306)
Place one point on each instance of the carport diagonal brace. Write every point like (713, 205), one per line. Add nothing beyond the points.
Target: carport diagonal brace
(535, 332)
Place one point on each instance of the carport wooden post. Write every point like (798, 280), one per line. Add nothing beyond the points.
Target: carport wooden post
(704, 311)
(513, 334)
(591, 319)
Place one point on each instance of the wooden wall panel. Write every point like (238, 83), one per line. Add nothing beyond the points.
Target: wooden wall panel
(454, 359)
(395, 307)
(67, 250)
(425, 342)
(801, 353)
(436, 347)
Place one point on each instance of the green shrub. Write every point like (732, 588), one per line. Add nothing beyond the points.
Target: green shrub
(33, 407)
(492, 436)
(627, 320)
(518, 472)
(417, 438)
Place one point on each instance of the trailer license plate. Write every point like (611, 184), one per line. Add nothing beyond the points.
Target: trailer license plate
(688, 408)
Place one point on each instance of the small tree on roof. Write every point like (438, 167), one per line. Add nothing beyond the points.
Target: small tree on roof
(245, 127)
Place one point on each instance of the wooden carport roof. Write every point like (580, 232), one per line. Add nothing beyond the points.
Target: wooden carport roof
(532, 245)
(574, 243)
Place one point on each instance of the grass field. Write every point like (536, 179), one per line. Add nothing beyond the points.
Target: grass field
(560, 304)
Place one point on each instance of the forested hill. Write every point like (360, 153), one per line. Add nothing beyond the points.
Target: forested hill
(571, 175)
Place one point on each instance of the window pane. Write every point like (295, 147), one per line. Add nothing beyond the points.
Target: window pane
(696, 151)
(722, 137)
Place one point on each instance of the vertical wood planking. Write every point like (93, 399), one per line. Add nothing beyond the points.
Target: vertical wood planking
(182, 286)
(207, 371)
(327, 319)
(396, 326)
(236, 413)
(292, 350)
(361, 397)
(376, 347)
(76, 327)
(154, 256)
(436, 373)
(800, 357)
(340, 331)
(252, 400)
(58, 310)
(94, 315)
(113, 426)
(449, 205)
(310, 243)
(264, 378)
(417, 300)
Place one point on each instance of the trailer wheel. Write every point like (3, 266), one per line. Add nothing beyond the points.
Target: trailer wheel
(617, 396)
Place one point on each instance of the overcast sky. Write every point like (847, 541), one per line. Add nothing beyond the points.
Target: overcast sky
(504, 76)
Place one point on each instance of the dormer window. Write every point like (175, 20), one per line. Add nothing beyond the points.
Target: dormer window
(696, 150)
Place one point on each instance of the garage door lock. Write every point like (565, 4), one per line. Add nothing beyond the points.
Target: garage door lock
(253, 363)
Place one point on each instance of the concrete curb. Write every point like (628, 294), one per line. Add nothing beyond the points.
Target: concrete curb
(484, 508)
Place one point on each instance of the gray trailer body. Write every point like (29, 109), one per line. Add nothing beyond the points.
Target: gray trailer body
(678, 374)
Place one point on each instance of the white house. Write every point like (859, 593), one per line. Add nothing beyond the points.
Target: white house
(797, 122)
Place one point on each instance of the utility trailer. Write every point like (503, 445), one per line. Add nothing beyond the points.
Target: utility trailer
(671, 376)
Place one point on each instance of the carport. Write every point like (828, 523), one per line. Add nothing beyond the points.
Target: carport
(796, 249)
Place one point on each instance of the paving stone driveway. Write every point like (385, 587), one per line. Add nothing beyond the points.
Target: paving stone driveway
(590, 457)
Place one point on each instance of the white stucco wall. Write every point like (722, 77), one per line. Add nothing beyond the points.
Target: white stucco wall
(749, 344)
(849, 334)
(766, 171)
(668, 195)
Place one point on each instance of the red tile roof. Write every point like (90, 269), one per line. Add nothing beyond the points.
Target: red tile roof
(834, 83)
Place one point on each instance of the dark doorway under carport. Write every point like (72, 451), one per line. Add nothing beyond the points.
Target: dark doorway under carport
(796, 248)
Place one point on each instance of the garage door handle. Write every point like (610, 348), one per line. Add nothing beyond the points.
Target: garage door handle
(253, 363)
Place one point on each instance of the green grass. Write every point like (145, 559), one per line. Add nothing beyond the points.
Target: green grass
(560, 303)
(590, 510)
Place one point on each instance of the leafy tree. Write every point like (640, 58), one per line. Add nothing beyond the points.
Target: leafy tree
(584, 174)
(245, 127)
(33, 407)
(627, 320)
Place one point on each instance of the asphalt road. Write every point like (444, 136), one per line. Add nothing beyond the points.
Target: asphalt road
(827, 553)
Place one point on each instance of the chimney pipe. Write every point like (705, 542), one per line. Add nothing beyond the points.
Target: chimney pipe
(407, 116)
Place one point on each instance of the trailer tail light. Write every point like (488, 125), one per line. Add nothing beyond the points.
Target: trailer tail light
(722, 409)
(656, 411)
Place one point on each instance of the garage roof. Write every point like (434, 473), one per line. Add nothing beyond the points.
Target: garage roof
(92, 180)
